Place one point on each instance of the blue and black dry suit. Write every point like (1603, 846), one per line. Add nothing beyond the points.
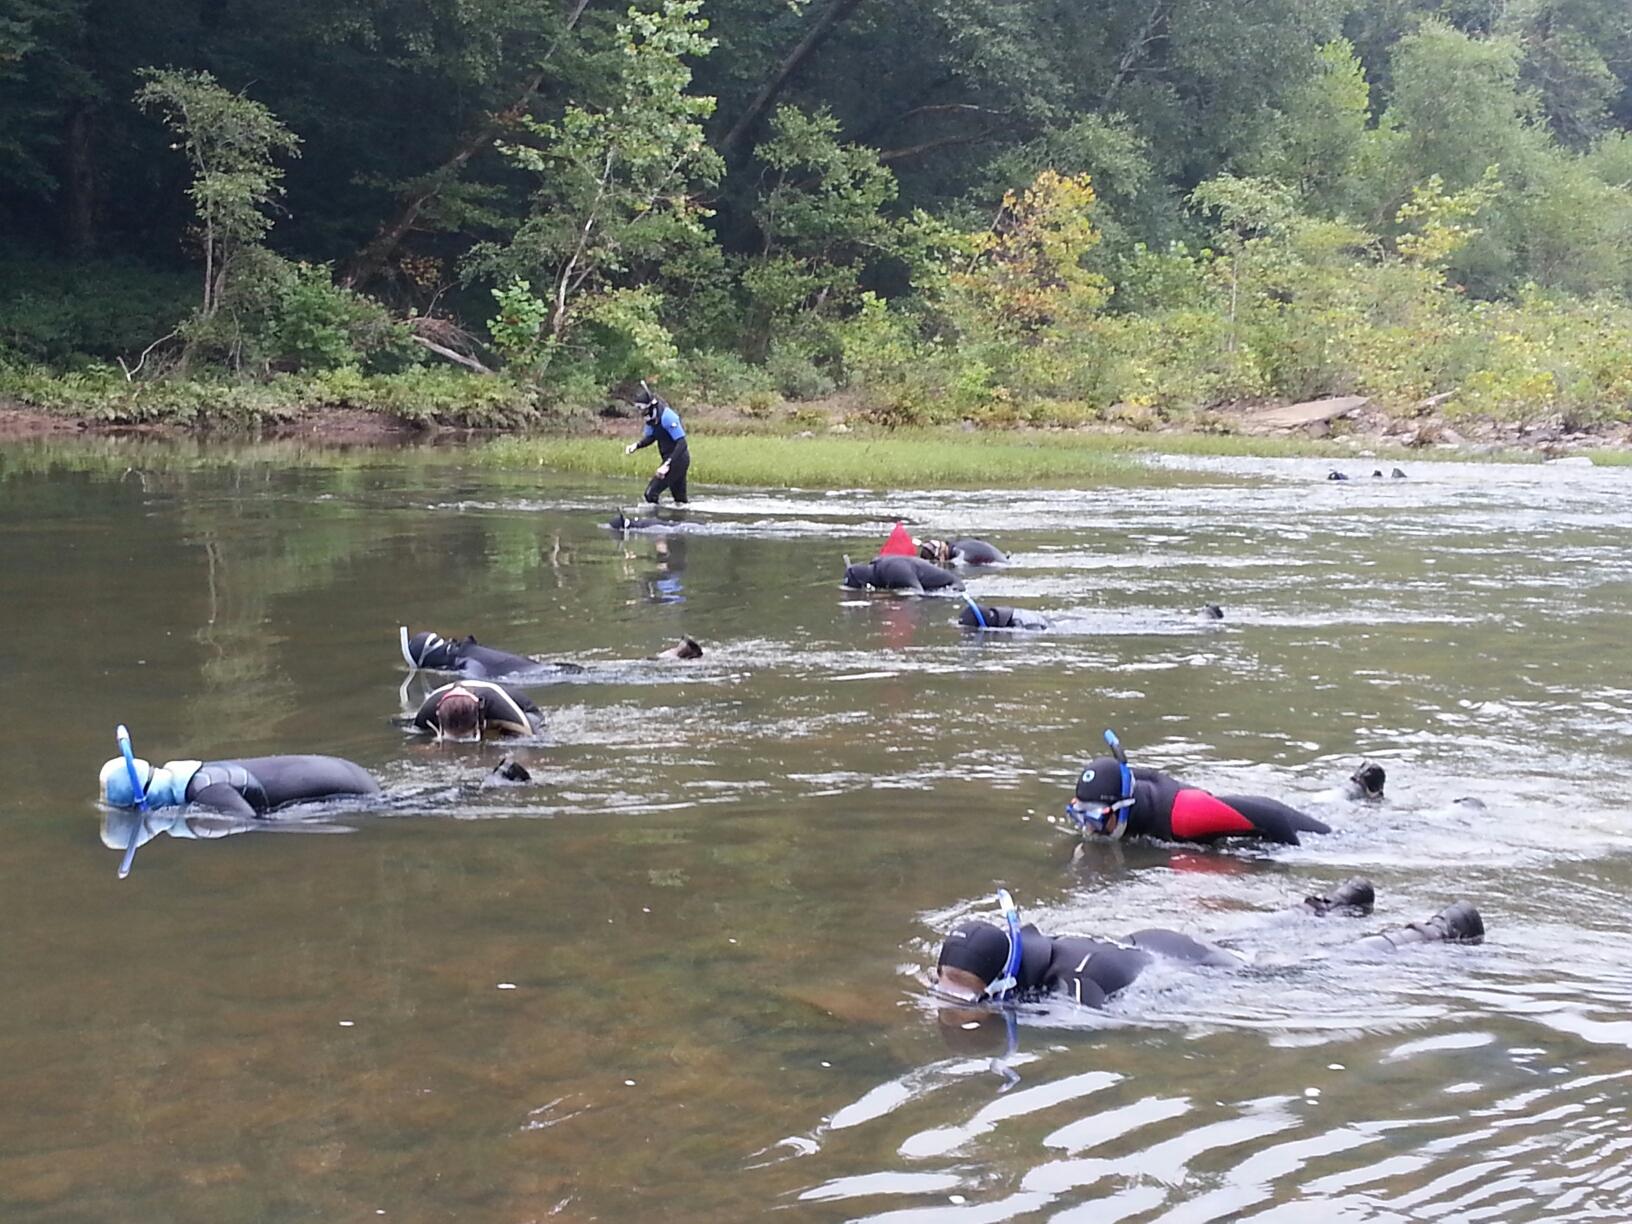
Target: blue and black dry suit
(663, 427)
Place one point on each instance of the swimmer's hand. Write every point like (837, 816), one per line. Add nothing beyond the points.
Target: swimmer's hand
(662, 470)
(630, 449)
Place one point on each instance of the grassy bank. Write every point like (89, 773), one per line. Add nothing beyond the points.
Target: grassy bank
(737, 453)
(917, 458)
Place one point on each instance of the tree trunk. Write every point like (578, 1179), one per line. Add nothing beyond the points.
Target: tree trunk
(366, 264)
(836, 12)
(79, 184)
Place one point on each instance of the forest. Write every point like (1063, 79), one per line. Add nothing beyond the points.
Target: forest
(497, 212)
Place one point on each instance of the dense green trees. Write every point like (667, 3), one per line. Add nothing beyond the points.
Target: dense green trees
(1006, 211)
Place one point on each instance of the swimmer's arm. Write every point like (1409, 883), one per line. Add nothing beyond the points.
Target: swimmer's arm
(223, 798)
(647, 437)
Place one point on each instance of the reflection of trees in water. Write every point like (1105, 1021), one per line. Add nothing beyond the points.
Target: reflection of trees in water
(264, 544)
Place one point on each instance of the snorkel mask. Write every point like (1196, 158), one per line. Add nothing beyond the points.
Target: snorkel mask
(1097, 808)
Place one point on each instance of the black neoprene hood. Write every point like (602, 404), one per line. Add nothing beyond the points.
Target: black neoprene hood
(1100, 782)
(977, 947)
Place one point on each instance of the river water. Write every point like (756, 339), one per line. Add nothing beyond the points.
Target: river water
(682, 974)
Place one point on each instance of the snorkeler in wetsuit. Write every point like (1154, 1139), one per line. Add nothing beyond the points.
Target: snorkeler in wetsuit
(980, 961)
(961, 552)
(470, 709)
(663, 427)
(1115, 800)
(1366, 783)
(981, 616)
(896, 573)
(247, 788)
(466, 656)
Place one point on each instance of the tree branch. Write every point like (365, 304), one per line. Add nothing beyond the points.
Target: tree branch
(366, 264)
(470, 363)
(943, 108)
(835, 12)
(1130, 57)
(930, 146)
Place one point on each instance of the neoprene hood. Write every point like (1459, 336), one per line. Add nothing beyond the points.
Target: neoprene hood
(977, 947)
(163, 787)
(1100, 783)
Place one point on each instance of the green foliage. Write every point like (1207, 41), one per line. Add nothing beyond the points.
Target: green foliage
(614, 196)
(66, 314)
(518, 328)
(1006, 214)
(419, 396)
(230, 143)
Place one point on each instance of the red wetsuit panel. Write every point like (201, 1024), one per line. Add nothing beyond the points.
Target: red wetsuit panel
(1198, 814)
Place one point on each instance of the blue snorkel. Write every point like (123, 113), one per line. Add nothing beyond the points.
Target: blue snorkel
(980, 617)
(123, 736)
(1121, 760)
(1004, 985)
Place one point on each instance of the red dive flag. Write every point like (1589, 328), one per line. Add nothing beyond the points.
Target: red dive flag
(899, 544)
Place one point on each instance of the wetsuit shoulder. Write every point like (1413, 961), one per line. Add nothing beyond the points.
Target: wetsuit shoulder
(295, 778)
(506, 708)
(228, 786)
(1091, 970)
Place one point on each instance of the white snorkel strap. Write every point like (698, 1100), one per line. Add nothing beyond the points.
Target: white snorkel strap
(402, 640)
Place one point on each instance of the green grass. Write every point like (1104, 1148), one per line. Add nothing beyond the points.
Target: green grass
(920, 459)
(1605, 457)
(931, 458)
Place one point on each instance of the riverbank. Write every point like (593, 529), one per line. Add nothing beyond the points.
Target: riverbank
(813, 446)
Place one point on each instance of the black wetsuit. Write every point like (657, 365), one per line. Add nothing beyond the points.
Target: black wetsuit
(255, 786)
(467, 657)
(977, 552)
(1166, 808)
(663, 427)
(502, 708)
(901, 574)
(1002, 618)
(1087, 969)
(1091, 970)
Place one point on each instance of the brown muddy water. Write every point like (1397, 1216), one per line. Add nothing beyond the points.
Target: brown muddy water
(682, 975)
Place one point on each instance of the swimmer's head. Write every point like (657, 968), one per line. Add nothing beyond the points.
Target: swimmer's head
(972, 958)
(1099, 802)
(429, 650)
(974, 617)
(165, 786)
(1368, 780)
(859, 577)
(459, 715)
(115, 782)
(938, 551)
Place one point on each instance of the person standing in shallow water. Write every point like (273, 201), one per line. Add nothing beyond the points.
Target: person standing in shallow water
(663, 427)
